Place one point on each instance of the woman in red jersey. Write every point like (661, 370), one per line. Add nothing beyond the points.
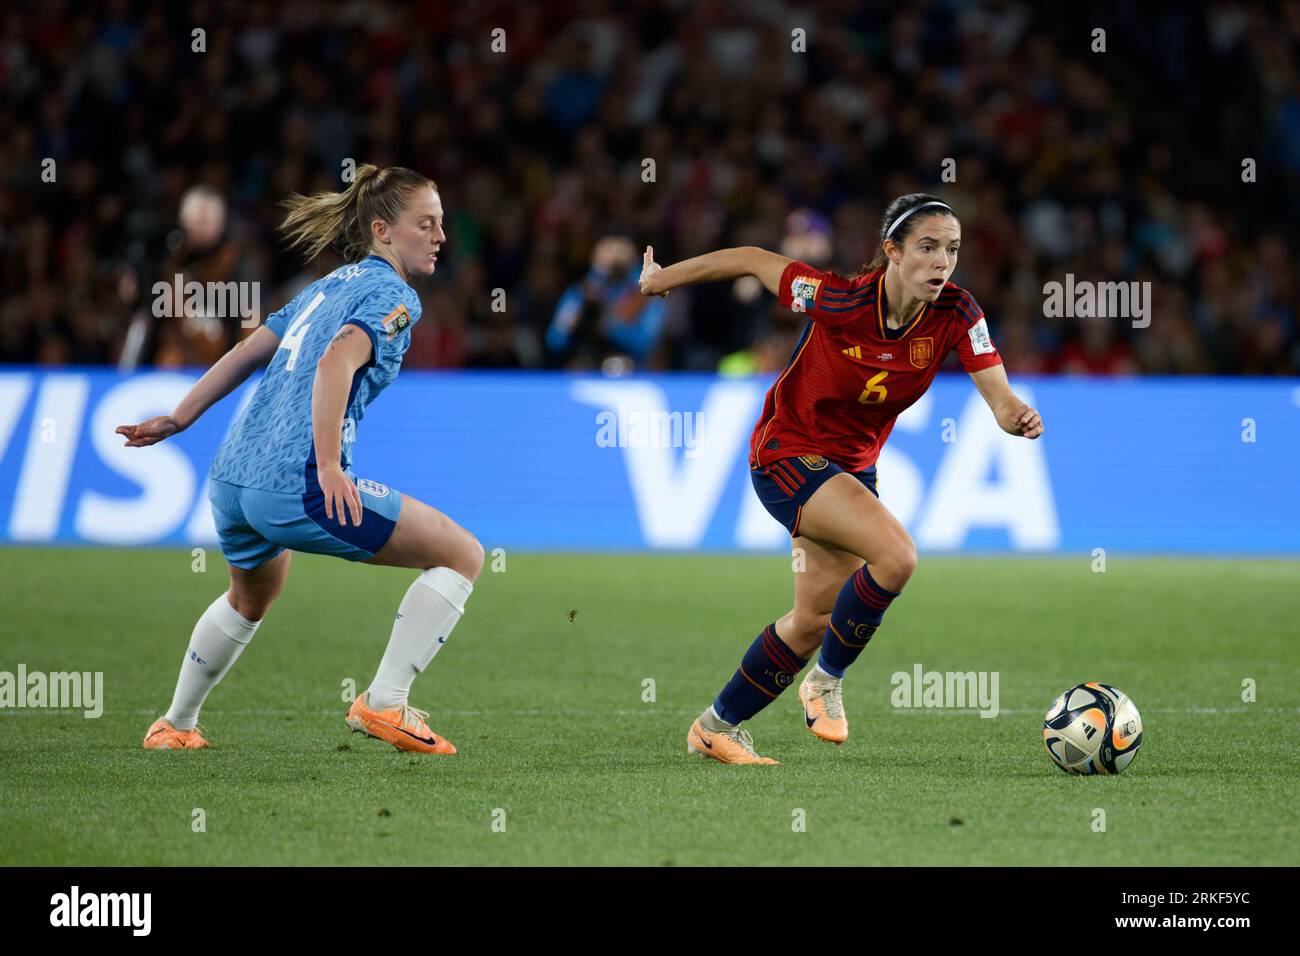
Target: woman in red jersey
(872, 346)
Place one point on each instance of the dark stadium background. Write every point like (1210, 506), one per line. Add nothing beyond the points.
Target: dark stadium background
(1123, 165)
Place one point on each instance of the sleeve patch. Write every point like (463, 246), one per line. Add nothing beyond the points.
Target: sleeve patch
(980, 343)
(396, 320)
(803, 292)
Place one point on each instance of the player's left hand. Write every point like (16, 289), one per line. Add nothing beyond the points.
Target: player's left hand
(1023, 421)
(148, 432)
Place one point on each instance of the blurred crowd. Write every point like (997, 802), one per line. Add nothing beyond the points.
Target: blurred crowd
(566, 136)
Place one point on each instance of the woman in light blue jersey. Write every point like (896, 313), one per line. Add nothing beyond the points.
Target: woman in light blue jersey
(282, 481)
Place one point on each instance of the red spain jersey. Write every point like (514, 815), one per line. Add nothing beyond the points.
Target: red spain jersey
(850, 376)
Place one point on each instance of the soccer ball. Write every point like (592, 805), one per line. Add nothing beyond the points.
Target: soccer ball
(1092, 728)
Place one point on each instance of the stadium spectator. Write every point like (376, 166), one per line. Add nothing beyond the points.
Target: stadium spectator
(203, 252)
(120, 137)
(604, 316)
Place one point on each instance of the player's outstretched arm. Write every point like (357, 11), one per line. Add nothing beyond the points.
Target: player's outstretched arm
(348, 351)
(224, 377)
(1013, 415)
(711, 267)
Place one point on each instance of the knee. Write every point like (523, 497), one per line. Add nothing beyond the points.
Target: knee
(897, 565)
(806, 632)
(907, 561)
(251, 607)
(467, 558)
(252, 592)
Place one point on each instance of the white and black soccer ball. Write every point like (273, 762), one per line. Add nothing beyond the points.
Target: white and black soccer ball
(1093, 728)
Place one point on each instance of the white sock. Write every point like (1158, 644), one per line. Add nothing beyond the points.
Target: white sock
(433, 604)
(714, 724)
(823, 677)
(219, 637)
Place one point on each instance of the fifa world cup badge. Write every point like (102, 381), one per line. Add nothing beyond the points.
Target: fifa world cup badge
(396, 320)
(803, 292)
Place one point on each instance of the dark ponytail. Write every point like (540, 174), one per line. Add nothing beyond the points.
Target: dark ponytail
(900, 207)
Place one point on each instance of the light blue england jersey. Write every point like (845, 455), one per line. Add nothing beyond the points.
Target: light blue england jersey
(270, 447)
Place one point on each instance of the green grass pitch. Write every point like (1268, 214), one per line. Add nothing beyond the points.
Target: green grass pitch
(552, 728)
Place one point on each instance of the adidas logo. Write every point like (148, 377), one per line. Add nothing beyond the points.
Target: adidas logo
(854, 351)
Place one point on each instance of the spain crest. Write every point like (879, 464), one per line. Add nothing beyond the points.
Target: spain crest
(921, 352)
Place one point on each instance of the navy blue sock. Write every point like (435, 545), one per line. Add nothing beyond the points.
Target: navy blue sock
(858, 611)
(767, 668)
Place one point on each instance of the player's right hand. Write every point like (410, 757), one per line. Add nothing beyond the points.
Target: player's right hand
(648, 269)
(340, 494)
(148, 432)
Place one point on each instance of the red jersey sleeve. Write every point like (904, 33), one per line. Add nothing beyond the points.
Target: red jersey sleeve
(823, 296)
(974, 346)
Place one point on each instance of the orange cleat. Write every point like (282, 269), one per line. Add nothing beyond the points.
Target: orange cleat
(163, 736)
(731, 746)
(403, 727)
(823, 709)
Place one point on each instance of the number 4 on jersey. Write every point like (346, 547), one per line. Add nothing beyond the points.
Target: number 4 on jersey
(294, 334)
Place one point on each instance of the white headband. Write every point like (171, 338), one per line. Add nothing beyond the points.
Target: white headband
(890, 232)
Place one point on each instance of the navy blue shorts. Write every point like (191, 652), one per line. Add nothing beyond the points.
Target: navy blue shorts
(785, 485)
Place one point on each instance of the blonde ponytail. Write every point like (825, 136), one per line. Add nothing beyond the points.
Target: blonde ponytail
(315, 223)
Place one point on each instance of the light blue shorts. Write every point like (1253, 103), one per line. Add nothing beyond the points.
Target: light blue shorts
(256, 525)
